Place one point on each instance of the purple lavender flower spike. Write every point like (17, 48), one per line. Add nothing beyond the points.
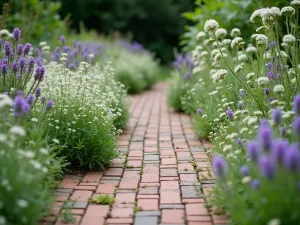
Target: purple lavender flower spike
(229, 113)
(85, 57)
(5, 93)
(265, 135)
(187, 75)
(253, 150)
(199, 111)
(62, 39)
(43, 99)
(296, 104)
(19, 92)
(15, 67)
(38, 92)
(266, 91)
(4, 68)
(271, 75)
(283, 131)
(7, 49)
(30, 99)
(31, 63)
(239, 142)
(276, 115)
(255, 184)
(20, 49)
(50, 104)
(5, 61)
(267, 167)
(269, 66)
(39, 73)
(296, 126)
(18, 76)
(245, 170)
(240, 105)
(278, 150)
(66, 49)
(20, 107)
(22, 63)
(220, 166)
(242, 92)
(26, 48)
(292, 158)
(17, 34)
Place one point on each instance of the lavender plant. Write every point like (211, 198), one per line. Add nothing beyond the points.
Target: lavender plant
(266, 178)
(182, 81)
(17, 67)
(28, 165)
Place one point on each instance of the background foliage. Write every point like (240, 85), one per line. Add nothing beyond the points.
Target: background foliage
(156, 24)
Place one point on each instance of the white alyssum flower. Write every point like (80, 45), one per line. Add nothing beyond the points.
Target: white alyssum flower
(256, 15)
(295, 3)
(44, 151)
(288, 11)
(235, 32)
(251, 49)
(226, 41)
(220, 74)
(221, 33)
(211, 25)
(261, 40)
(237, 42)
(2, 220)
(242, 57)
(289, 39)
(275, 221)
(4, 33)
(17, 130)
(246, 179)
(200, 35)
(22, 203)
(42, 43)
(5, 101)
(238, 68)
(278, 88)
(227, 147)
(250, 75)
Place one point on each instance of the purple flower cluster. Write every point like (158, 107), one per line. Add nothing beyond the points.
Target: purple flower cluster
(184, 64)
(274, 69)
(269, 154)
(17, 65)
(21, 107)
(75, 54)
(133, 47)
(220, 166)
(229, 113)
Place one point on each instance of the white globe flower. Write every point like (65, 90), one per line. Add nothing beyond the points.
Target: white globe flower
(237, 42)
(288, 11)
(221, 33)
(279, 88)
(220, 74)
(289, 39)
(211, 25)
(235, 32)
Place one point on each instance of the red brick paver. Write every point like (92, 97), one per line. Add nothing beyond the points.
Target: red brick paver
(163, 175)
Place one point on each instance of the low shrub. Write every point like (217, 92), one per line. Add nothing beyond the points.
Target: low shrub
(28, 166)
(135, 67)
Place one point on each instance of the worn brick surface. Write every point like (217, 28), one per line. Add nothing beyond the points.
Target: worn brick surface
(162, 176)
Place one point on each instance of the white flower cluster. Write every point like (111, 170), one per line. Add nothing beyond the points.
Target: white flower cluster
(289, 39)
(288, 11)
(221, 33)
(211, 26)
(220, 74)
(237, 42)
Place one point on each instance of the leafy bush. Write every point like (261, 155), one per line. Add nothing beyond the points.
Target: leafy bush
(38, 19)
(135, 67)
(139, 17)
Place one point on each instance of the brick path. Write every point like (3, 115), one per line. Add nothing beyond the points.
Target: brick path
(161, 177)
